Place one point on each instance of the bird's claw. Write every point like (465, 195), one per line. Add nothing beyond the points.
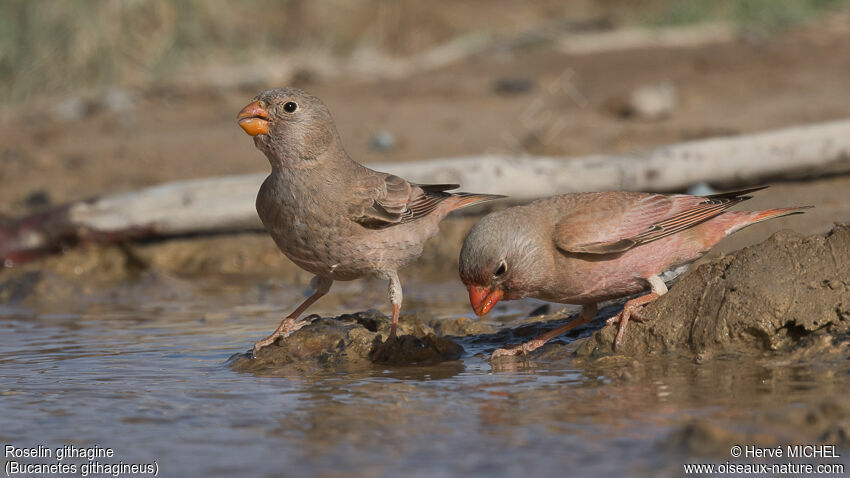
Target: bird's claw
(629, 312)
(515, 350)
(288, 326)
(637, 314)
(263, 343)
(507, 352)
(622, 319)
(305, 321)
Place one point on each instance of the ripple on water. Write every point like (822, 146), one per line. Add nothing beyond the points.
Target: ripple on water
(148, 377)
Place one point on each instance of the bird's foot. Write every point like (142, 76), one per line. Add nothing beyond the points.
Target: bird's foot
(265, 342)
(516, 350)
(288, 326)
(636, 314)
(632, 310)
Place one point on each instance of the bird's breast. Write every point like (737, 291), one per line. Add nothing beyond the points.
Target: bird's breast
(322, 239)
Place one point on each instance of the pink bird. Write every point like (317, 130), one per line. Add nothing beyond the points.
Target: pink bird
(589, 247)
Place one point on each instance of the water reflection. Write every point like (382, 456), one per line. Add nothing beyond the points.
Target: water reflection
(144, 370)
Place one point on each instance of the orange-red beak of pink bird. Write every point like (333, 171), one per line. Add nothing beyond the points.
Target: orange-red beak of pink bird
(254, 119)
(483, 298)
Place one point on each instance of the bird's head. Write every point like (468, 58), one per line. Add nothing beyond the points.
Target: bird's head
(292, 127)
(497, 261)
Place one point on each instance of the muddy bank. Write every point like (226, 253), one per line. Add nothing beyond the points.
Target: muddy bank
(353, 340)
(788, 294)
(250, 257)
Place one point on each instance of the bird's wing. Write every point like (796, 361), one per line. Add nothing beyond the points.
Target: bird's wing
(617, 224)
(383, 200)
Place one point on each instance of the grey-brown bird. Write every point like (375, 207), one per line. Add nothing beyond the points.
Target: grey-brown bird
(590, 247)
(331, 215)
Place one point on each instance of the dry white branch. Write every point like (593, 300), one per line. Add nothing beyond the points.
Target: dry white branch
(636, 38)
(227, 203)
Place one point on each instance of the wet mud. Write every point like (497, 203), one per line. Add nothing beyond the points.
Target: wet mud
(788, 294)
(351, 340)
(747, 348)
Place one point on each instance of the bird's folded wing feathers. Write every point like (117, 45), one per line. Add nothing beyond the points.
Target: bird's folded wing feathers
(383, 200)
(598, 231)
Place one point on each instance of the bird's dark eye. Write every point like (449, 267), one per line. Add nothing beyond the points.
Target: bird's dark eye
(503, 267)
(290, 107)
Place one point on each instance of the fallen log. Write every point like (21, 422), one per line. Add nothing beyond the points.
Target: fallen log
(225, 204)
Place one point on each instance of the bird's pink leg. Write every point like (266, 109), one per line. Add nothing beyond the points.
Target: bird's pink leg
(394, 325)
(394, 292)
(631, 311)
(588, 312)
(289, 324)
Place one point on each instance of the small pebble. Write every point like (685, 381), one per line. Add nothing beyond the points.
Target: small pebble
(37, 199)
(651, 102)
(701, 189)
(118, 100)
(513, 85)
(382, 140)
(73, 109)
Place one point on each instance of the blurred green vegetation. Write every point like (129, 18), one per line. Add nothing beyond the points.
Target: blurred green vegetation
(766, 14)
(52, 47)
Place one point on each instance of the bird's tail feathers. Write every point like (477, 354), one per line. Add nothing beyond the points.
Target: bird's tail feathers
(740, 194)
(760, 216)
(468, 199)
(748, 218)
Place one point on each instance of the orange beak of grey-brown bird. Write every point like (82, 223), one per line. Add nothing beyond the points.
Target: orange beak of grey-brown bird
(254, 119)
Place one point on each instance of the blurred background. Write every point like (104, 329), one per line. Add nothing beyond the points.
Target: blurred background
(107, 96)
(125, 344)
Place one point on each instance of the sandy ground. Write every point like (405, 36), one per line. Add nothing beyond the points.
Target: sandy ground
(570, 109)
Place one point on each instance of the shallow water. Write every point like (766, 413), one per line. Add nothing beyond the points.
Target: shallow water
(143, 370)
